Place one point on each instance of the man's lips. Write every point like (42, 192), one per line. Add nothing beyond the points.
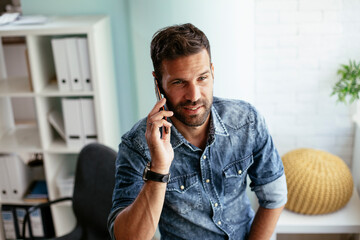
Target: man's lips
(193, 109)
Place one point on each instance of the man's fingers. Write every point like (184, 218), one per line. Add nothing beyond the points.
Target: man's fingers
(159, 115)
(166, 133)
(157, 106)
(158, 124)
(157, 119)
(152, 131)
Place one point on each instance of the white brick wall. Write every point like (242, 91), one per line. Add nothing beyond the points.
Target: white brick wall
(299, 47)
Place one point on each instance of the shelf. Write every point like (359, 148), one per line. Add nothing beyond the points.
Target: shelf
(23, 138)
(16, 87)
(59, 146)
(55, 25)
(52, 90)
(62, 204)
(19, 202)
(345, 220)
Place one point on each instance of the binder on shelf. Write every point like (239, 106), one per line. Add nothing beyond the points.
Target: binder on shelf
(61, 63)
(55, 119)
(28, 69)
(84, 59)
(41, 224)
(4, 179)
(74, 64)
(88, 116)
(72, 114)
(19, 177)
(9, 223)
(20, 215)
(3, 72)
(36, 223)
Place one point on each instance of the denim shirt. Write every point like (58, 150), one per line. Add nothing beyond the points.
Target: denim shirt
(206, 194)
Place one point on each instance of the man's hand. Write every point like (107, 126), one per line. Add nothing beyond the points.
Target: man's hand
(159, 144)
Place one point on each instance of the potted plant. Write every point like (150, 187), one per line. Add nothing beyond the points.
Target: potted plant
(347, 88)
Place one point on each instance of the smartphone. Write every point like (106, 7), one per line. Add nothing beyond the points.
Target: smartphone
(158, 97)
(158, 93)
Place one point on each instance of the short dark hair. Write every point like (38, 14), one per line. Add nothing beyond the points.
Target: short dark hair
(176, 41)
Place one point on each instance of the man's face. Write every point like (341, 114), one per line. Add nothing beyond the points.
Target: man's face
(188, 87)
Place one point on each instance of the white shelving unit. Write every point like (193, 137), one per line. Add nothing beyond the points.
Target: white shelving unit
(38, 136)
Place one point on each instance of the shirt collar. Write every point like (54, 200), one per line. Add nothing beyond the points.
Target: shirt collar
(217, 127)
(218, 124)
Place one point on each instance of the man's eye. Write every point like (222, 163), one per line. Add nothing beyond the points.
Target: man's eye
(202, 78)
(177, 82)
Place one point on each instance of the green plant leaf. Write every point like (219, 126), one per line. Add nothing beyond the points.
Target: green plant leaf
(347, 88)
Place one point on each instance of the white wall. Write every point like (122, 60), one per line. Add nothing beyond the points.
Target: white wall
(300, 44)
(229, 28)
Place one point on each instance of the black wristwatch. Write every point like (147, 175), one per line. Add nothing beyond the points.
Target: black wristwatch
(153, 176)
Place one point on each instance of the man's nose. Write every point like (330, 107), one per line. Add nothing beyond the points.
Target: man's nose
(193, 92)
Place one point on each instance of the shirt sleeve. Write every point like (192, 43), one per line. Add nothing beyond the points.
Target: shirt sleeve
(267, 172)
(111, 219)
(272, 195)
(130, 165)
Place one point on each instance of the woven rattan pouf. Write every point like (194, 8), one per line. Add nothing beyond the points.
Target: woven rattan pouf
(318, 182)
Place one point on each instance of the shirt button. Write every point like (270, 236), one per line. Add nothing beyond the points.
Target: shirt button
(239, 172)
(216, 204)
(219, 222)
(182, 187)
(204, 157)
(207, 180)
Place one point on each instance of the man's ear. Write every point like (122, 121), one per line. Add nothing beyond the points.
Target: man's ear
(154, 75)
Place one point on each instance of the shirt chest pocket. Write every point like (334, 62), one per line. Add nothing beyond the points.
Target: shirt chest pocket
(183, 193)
(235, 174)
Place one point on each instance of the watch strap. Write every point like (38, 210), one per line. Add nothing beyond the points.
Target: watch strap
(154, 176)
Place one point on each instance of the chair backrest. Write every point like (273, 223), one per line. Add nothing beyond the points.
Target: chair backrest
(94, 183)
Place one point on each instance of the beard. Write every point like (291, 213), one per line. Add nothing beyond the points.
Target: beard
(194, 120)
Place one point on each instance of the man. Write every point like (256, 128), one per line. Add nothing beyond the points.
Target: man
(185, 168)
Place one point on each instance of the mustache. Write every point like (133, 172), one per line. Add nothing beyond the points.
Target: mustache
(189, 103)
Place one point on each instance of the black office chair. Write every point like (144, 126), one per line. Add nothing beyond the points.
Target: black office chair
(91, 201)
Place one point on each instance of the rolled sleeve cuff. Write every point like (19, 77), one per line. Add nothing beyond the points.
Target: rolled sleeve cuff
(272, 195)
(111, 221)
